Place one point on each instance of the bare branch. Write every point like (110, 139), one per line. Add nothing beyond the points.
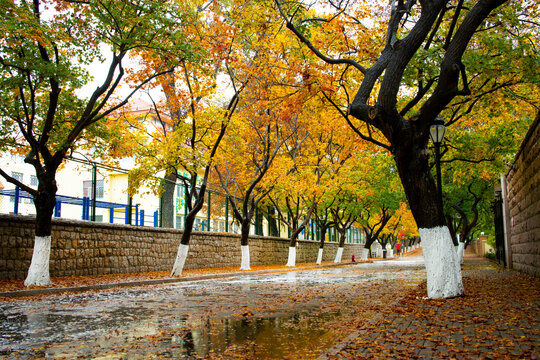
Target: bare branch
(478, 161)
(18, 183)
(308, 43)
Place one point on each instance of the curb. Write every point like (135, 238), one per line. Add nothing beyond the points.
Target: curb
(169, 280)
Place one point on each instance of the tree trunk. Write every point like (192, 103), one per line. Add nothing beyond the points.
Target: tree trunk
(44, 201)
(339, 255)
(365, 254)
(167, 200)
(442, 266)
(369, 242)
(294, 236)
(319, 256)
(291, 261)
(244, 242)
(245, 264)
(323, 237)
(183, 248)
(339, 252)
(461, 251)
(244, 227)
(321, 246)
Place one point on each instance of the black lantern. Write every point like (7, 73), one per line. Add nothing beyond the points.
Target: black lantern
(437, 132)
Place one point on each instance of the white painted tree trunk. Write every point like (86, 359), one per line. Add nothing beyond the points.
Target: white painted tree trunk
(365, 254)
(442, 265)
(38, 273)
(339, 254)
(291, 262)
(461, 252)
(319, 257)
(391, 253)
(245, 258)
(180, 260)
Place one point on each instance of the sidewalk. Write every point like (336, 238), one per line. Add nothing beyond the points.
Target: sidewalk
(498, 318)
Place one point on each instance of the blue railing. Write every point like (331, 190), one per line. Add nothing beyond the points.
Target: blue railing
(137, 217)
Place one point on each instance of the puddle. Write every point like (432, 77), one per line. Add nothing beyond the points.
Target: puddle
(262, 316)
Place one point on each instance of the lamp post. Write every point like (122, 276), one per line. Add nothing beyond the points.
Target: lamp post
(436, 132)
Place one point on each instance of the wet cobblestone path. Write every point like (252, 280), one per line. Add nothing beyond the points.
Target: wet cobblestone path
(289, 315)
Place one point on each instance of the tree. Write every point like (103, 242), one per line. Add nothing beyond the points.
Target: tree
(324, 221)
(344, 218)
(191, 147)
(316, 159)
(336, 180)
(472, 162)
(293, 198)
(201, 109)
(249, 155)
(374, 224)
(424, 47)
(44, 51)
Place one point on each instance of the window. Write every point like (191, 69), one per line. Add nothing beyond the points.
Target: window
(17, 158)
(87, 189)
(17, 176)
(33, 180)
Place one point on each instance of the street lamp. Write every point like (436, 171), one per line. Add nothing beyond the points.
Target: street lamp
(436, 132)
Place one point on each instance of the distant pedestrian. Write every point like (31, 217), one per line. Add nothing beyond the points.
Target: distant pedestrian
(398, 248)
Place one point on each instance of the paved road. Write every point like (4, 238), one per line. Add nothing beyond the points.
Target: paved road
(296, 314)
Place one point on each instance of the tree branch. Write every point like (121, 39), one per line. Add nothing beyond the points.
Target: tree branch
(354, 128)
(308, 43)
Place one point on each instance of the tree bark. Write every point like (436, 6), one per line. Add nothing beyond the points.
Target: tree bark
(323, 237)
(244, 237)
(245, 261)
(442, 265)
(44, 201)
(320, 256)
(294, 236)
(186, 235)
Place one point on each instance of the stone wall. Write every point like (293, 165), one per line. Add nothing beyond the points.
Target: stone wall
(86, 248)
(523, 203)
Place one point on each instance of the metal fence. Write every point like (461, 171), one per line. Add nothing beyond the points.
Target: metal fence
(93, 192)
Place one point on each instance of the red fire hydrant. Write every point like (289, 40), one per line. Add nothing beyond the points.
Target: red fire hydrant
(352, 258)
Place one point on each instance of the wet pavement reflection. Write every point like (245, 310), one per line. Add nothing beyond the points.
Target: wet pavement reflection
(259, 316)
